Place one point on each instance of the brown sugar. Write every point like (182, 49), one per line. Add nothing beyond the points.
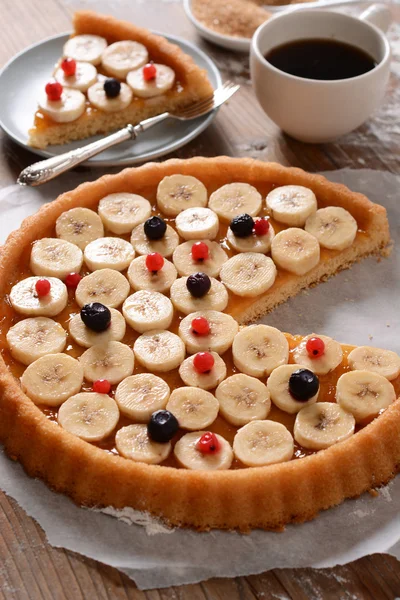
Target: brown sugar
(238, 18)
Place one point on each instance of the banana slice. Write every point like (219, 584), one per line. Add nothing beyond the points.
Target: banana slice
(162, 82)
(109, 253)
(292, 204)
(159, 350)
(52, 379)
(112, 361)
(165, 246)
(107, 286)
(90, 416)
(334, 227)
(33, 338)
(259, 349)
(322, 425)
(189, 457)
(194, 408)
(55, 258)
(176, 193)
(295, 250)
(146, 310)
(140, 395)
(122, 212)
(141, 278)
(121, 57)
(205, 381)
(383, 362)
(25, 300)
(85, 76)
(134, 443)
(321, 365)
(223, 329)
(87, 48)
(186, 265)
(99, 99)
(253, 242)
(79, 226)
(234, 199)
(364, 394)
(70, 107)
(278, 386)
(248, 274)
(197, 224)
(262, 443)
(87, 337)
(243, 399)
(215, 299)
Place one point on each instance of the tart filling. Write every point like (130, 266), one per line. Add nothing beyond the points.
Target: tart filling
(142, 369)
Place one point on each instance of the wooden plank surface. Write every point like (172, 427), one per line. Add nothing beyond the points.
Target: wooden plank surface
(29, 567)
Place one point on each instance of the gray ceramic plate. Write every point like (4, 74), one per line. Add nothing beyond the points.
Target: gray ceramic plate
(23, 78)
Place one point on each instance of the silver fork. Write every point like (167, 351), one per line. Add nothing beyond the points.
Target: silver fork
(45, 170)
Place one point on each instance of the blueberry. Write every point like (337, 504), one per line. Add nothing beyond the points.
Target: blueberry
(96, 316)
(155, 228)
(303, 384)
(198, 284)
(112, 87)
(162, 426)
(242, 225)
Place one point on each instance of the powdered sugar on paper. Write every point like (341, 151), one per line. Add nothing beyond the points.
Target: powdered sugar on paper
(134, 517)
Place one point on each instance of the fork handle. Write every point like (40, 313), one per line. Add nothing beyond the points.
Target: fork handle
(45, 170)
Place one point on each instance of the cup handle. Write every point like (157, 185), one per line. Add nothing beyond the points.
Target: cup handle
(378, 15)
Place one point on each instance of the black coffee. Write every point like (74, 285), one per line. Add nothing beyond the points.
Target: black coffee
(320, 59)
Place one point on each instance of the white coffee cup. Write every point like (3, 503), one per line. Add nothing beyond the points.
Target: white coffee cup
(317, 111)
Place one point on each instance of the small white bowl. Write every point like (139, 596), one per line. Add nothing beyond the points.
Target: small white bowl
(238, 44)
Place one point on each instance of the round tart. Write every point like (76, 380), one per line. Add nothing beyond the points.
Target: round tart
(194, 421)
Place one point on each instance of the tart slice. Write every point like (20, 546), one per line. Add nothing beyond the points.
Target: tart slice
(113, 73)
(124, 366)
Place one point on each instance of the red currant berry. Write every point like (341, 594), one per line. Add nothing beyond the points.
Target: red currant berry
(203, 362)
(42, 287)
(54, 89)
(68, 65)
(200, 251)
(315, 347)
(208, 443)
(102, 386)
(154, 262)
(201, 326)
(72, 280)
(261, 226)
(149, 72)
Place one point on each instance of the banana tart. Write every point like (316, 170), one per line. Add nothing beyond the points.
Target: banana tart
(128, 374)
(113, 73)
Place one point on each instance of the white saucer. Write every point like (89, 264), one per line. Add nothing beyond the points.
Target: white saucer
(23, 78)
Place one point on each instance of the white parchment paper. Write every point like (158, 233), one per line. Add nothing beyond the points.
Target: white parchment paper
(360, 306)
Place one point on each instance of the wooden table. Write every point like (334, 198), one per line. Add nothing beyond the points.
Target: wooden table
(31, 568)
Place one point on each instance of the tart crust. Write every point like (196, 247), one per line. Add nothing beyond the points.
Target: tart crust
(193, 81)
(264, 497)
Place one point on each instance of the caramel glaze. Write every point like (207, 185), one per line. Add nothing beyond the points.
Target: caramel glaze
(236, 305)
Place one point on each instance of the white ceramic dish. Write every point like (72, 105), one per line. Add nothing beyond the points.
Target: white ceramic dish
(238, 44)
(241, 44)
(315, 4)
(33, 67)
